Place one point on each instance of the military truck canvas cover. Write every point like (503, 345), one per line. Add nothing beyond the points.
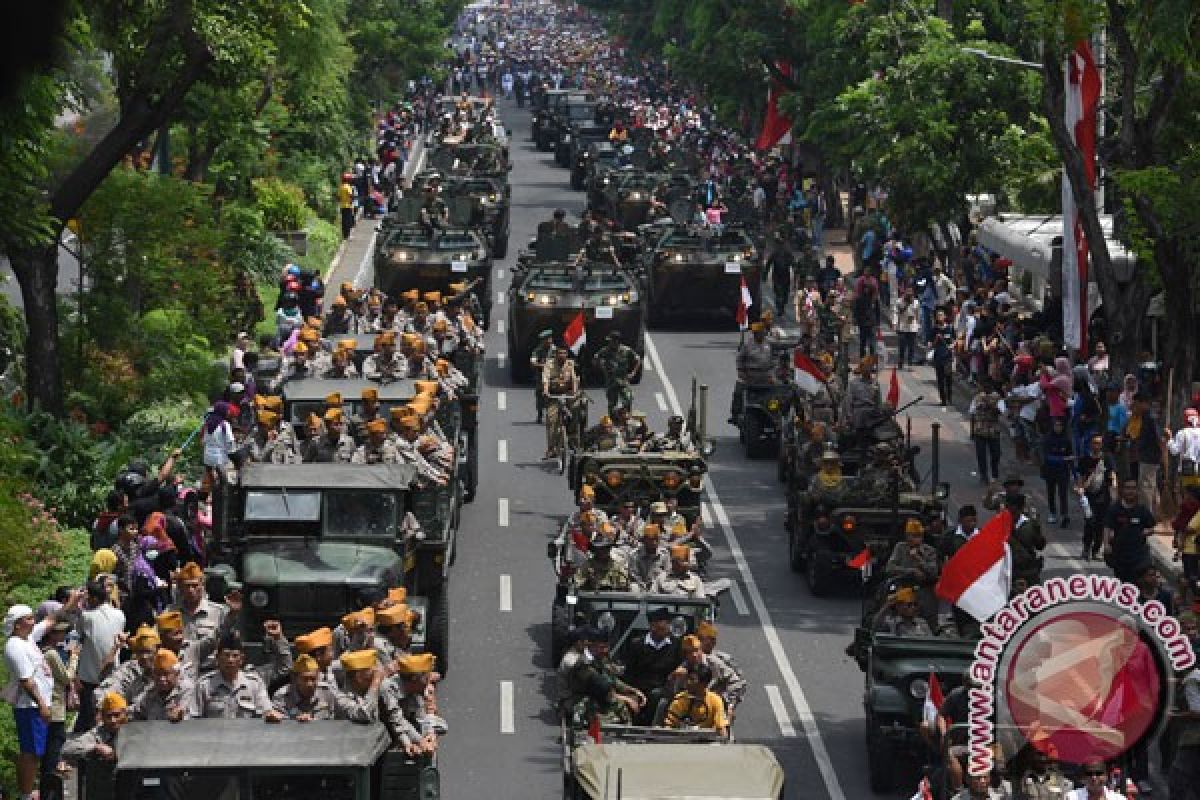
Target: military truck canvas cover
(225, 744)
(349, 477)
(679, 771)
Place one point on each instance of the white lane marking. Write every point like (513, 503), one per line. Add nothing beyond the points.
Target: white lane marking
(507, 724)
(500, 326)
(360, 277)
(812, 733)
(662, 401)
(775, 698)
(502, 450)
(706, 515)
(501, 401)
(502, 512)
(647, 367)
(506, 593)
(499, 298)
(499, 273)
(500, 357)
(1060, 548)
(739, 599)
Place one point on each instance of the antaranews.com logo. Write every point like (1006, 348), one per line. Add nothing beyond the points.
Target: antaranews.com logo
(1078, 667)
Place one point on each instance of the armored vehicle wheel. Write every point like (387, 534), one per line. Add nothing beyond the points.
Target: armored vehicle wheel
(576, 181)
(560, 626)
(751, 432)
(817, 571)
(500, 250)
(880, 773)
(795, 554)
(437, 629)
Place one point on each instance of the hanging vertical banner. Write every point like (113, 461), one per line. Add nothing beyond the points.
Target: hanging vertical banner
(776, 125)
(1082, 98)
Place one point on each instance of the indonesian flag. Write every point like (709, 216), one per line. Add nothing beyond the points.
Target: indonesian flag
(978, 577)
(776, 126)
(933, 701)
(576, 334)
(861, 560)
(924, 790)
(893, 395)
(743, 308)
(594, 728)
(1083, 97)
(809, 377)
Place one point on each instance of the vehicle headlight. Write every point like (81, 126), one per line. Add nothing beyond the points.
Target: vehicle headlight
(631, 297)
(613, 299)
(531, 297)
(614, 478)
(259, 598)
(919, 688)
(635, 196)
(606, 181)
(773, 404)
(848, 524)
(545, 300)
(402, 255)
(566, 138)
(480, 255)
(606, 622)
(678, 627)
(492, 197)
(679, 258)
(736, 257)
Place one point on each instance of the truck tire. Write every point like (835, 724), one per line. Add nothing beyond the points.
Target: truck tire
(437, 629)
(560, 626)
(500, 250)
(795, 553)
(781, 466)
(817, 572)
(880, 772)
(751, 431)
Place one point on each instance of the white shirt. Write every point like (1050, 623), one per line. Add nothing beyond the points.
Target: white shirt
(1082, 794)
(218, 445)
(98, 628)
(25, 661)
(1186, 443)
(657, 645)
(1029, 392)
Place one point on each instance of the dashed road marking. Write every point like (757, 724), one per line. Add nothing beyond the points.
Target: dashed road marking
(506, 593)
(502, 450)
(500, 359)
(775, 698)
(499, 274)
(812, 733)
(502, 512)
(501, 401)
(499, 298)
(706, 515)
(500, 327)
(507, 723)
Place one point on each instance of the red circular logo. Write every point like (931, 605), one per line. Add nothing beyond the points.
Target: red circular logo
(1083, 684)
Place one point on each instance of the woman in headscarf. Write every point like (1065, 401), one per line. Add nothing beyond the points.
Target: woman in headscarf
(145, 597)
(167, 560)
(1129, 390)
(219, 443)
(1056, 387)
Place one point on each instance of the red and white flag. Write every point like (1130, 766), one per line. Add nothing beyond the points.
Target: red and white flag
(1083, 97)
(924, 790)
(978, 577)
(933, 701)
(809, 377)
(743, 308)
(576, 334)
(893, 395)
(776, 126)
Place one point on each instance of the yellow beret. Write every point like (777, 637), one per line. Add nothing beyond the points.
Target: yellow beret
(269, 402)
(393, 615)
(427, 387)
(304, 663)
(409, 423)
(387, 337)
(587, 516)
(347, 344)
(339, 300)
(411, 294)
(415, 664)
(419, 404)
(706, 629)
(314, 421)
(113, 702)
(398, 413)
(145, 638)
(690, 643)
(914, 526)
(314, 640)
(333, 415)
(191, 571)
(359, 659)
(370, 393)
(681, 552)
(352, 620)
(459, 287)
(398, 595)
(300, 347)
(309, 336)
(165, 660)
(346, 285)
(587, 493)
(313, 322)
(169, 621)
(905, 594)
(440, 324)
(432, 297)
(376, 426)
(267, 418)
(422, 307)
(333, 399)
(756, 327)
(606, 420)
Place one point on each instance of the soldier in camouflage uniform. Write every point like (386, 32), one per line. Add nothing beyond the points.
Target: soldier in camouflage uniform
(377, 449)
(602, 572)
(877, 480)
(828, 487)
(618, 364)
(333, 446)
(538, 359)
(915, 563)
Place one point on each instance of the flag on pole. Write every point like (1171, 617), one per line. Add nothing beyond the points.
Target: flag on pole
(933, 701)
(861, 560)
(809, 377)
(893, 395)
(594, 728)
(576, 334)
(776, 126)
(977, 578)
(1082, 100)
(924, 790)
(743, 308)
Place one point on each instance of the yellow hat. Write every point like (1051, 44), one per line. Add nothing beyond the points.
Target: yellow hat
(309, 336)
(706, 629)
(398, 413)
(690, 643)
(427, 387)
(169, 621)
(191, 571)
(346, 286)
(271, 402)
(606, 420)
(411, 294)
(440, 324)
(376, 426)
(398, 595)
(767, 316)
(333, 415)
(313, 322)
(113, 702)
(681, 552)
(145, 638)
(387, 337)
(300, 347)
(314, 640)
(103, 561)
(165, 660)
(347, 344)
(370, 393)
(409, 423)
(333, 399)
(756, 327)
(587, 516)
(339, 301)
(419, 404)
(393, 615)
(359, 659)
(587, 493)
(304, 663)
(267, 419)
(443, 367)
(432, 297)
(914, 526)
(651, 531)
(313, 421)
(905, 594)
(415, 664)
(353, 620)
(367, 615)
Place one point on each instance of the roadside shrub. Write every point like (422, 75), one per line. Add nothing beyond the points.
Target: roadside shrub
(248, 243)
(323, 241)
(281, 203)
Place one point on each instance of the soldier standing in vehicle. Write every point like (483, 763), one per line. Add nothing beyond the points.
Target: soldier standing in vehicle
(915, 563)
(377, 449)
(602, 572)
(305, 698)
(650, 660)
(861, 404)
(538, 359)
(619, 365)
(828, 487)
(675, 439)
(1027, 542)
(231, 692)
(755, 367)
(899, 616)
(333, 446)
(679, 580)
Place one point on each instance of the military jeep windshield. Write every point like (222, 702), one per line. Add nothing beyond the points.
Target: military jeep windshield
(456, 241)
(330, 514)
(360, 514)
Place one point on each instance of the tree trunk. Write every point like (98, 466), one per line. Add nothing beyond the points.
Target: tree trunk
(37, 274)
(945, 10)
(1179, 330)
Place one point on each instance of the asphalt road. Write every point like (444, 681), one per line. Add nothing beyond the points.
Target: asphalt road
(805, 700)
